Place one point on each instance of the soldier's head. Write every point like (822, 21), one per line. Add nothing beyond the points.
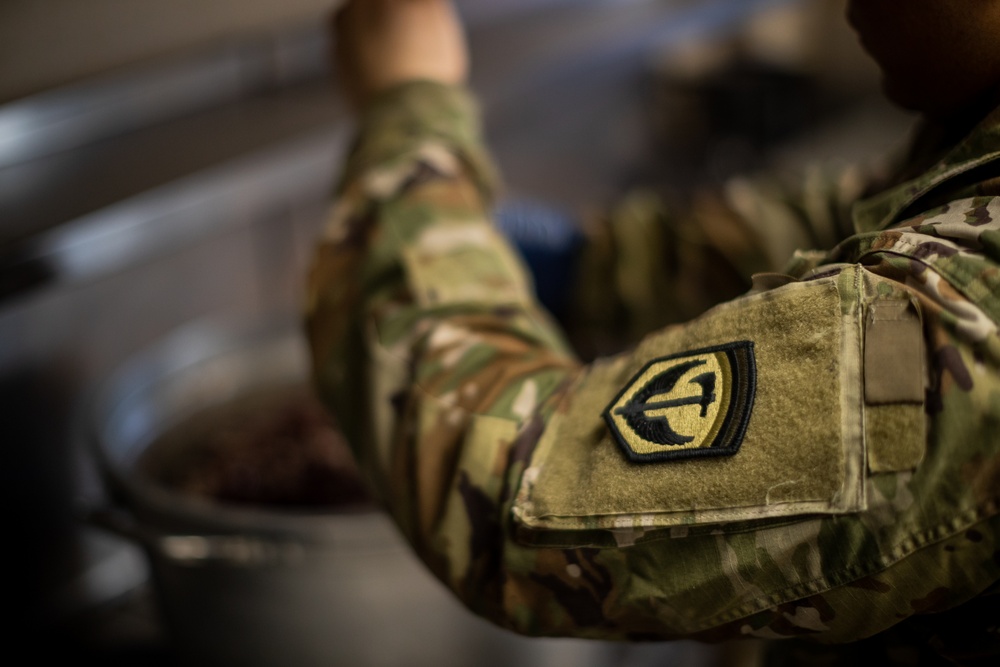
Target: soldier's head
(937, 57)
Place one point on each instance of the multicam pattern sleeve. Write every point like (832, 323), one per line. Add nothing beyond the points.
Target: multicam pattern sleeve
(818, 458)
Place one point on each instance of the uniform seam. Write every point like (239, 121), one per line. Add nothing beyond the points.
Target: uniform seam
(969, 279)
(906, 546)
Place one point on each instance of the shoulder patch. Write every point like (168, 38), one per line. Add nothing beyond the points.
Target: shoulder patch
(686, 405)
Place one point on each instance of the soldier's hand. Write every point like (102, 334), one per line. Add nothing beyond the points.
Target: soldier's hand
(381, 43)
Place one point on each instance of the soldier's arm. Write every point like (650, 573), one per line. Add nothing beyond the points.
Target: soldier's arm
(816, 458)
(769, 468)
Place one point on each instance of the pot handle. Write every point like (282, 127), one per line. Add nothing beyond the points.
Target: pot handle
(195, 550)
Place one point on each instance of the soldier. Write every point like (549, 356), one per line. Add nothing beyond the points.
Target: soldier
(817, 458)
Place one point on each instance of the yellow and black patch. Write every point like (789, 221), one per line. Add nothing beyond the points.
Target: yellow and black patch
(686, 405)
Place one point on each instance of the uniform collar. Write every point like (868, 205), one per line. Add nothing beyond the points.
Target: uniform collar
(979, 147)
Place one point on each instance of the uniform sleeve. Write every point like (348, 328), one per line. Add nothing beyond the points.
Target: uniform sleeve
(816, 458)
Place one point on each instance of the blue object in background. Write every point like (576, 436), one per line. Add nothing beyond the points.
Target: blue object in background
(549, 241)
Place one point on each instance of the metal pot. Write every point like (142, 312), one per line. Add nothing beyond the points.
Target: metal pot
(242, 586)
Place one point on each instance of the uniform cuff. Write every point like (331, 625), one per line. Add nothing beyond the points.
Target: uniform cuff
(404, 118)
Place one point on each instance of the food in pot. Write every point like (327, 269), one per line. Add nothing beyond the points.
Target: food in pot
(277, 447)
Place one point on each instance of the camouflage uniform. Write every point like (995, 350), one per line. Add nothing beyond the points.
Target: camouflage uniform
(819, 457)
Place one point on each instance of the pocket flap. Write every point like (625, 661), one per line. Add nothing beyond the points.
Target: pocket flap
(788, 444)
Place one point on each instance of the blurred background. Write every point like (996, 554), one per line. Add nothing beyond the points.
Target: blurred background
(166, 163)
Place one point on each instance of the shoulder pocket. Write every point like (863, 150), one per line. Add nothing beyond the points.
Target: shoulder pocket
(670, 439)
(464, 262)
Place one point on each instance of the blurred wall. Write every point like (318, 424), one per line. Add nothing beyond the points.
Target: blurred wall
(48, 43)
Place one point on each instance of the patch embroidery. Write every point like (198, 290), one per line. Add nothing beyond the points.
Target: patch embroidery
(686, 405)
